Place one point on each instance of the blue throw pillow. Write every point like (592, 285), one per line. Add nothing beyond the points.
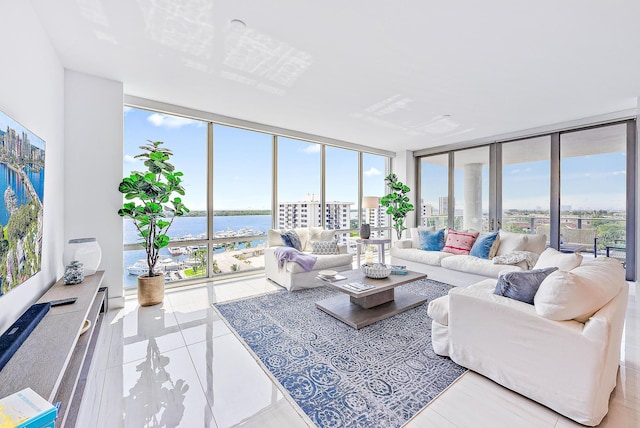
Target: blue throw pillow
(522, 286)
(482, 247)
(431, 241)
(291, 239)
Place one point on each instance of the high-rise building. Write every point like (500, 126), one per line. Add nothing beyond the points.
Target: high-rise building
(308, 213)
(443, 205)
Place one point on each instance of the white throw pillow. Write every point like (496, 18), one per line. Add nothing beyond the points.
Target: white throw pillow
(580, 293)
(510, 242)
(415, 236)
(536, 243)
(554, 258)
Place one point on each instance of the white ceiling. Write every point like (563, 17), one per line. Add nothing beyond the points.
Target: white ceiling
(375, 72)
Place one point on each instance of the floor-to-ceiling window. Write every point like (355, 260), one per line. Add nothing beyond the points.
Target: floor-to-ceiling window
(593, 173)
(229, 179)
(341, 189)
(299, 202)
(374, 170)
(434, 191)
(525, 185)
(241, 198)
(573, 186)
(187, 138)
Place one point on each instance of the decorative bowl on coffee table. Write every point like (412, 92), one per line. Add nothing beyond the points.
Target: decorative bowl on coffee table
(376, 270)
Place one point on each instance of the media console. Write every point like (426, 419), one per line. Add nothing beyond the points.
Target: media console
(55, 358)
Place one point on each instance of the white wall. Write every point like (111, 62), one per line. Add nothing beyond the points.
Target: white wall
(93, 126)
(32, 93)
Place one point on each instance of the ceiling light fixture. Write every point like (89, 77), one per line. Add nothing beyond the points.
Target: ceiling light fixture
(237, 24)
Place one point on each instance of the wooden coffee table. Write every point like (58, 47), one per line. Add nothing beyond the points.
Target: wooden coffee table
(359, 309)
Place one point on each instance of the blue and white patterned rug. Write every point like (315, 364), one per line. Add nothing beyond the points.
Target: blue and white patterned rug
(378, 376)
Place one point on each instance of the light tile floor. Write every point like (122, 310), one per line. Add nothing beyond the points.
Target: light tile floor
(178, 365)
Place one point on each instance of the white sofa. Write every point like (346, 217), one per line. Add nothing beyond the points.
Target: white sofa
(292, 276)
(569, 366)
(461, 270)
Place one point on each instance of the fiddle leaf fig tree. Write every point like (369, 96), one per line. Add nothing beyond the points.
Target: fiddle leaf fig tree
(397, 202)
(154, 201)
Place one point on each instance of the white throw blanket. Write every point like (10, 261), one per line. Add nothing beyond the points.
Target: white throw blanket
(516, 257)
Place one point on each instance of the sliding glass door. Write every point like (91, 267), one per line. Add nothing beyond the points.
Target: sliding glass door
(577, 187)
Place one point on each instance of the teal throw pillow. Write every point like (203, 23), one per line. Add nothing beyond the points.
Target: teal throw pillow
(482, 247)
(522, 286)
(431, 241)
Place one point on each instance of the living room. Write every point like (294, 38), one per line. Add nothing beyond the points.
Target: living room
(494, 76)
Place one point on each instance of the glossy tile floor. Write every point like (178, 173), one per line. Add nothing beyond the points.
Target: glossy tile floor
(178, 365)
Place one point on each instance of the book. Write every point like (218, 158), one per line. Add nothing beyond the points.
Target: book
(398, 269)
(357, 287)
(27, 409)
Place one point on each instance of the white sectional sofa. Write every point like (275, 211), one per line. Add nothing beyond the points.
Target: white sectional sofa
(563, 351)
(461, 270)
(292, 276)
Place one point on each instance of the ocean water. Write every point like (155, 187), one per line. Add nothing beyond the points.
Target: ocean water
(190, 228)
(8, 178)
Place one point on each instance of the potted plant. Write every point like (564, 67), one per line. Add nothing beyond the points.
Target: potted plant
(397, 202)
(153, 208)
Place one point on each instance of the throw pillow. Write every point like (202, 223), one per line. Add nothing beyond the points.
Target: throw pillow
(324, 247)
(536, 243)
(415, 236)
(580, 293)
(563, 261)
(459, 242)
(483, 245)
(431, 241)
(291, 239)
(522, 286)
(510, 242)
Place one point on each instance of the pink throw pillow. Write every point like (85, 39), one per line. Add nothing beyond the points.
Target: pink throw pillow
(459, 242)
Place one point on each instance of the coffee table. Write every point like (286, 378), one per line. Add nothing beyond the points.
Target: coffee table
(359, 309)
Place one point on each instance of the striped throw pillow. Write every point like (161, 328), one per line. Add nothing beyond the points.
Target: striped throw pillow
(459, 242)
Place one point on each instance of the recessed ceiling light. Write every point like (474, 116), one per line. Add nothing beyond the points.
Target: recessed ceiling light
(237, 24)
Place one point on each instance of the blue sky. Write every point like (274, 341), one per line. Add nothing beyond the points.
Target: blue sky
(242, 163)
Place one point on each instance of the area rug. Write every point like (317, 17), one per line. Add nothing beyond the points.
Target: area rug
(378, 376)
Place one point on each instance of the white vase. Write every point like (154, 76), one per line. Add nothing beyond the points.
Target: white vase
(86, 251)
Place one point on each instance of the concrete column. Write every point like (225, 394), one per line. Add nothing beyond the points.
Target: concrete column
(472, 212)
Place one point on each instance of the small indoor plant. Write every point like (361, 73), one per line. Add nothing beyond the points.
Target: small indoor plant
(397, 202)
(153, 206)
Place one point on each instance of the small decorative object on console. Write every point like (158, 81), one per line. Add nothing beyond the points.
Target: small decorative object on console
(376, 270)
(73, 273)
(85, 250)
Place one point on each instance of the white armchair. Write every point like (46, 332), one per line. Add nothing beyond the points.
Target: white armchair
(294, 277)
(568, 366)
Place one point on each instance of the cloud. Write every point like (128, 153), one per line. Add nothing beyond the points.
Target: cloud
(126, 109)
(171, 122)
(310, 149)
(130, 159)
(372, 172)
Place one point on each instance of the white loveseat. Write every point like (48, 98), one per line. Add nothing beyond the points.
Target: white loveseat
(292, 276)
(461, 270)
(569, 365)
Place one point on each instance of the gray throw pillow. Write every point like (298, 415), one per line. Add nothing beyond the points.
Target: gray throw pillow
(324, 247)
(522, 286)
